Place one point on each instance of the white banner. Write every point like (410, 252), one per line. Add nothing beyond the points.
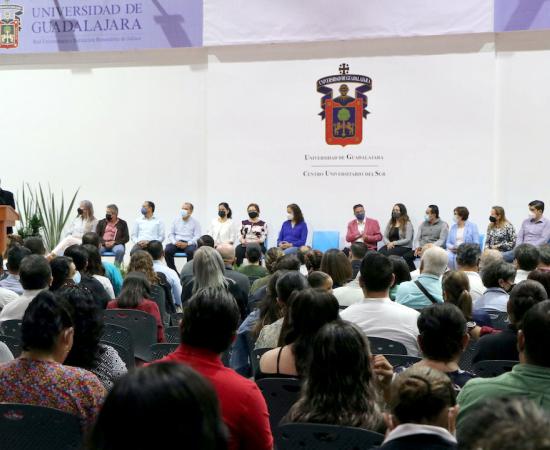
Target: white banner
(265, 21)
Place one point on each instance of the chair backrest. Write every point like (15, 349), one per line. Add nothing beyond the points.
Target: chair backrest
(11, 328)
(26, 427)
(142, 327)
(325, 240)
(493, 368)
(172, 335)
(160, 350)
(402, 360)
(280, 394)
(123, 353)
(118, 335)
(481, 241)
(13, 344)
(382, 346)
(465, 362)
(499, 319)
(299, 436)
(159, 297)
(255, 356)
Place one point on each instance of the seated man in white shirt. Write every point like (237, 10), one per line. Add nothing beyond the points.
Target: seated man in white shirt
(526, 259)
(467, 261)
(147, 228)
(377, 315)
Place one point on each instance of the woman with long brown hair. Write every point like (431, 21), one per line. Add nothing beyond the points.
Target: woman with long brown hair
(398, 235)
(501, 234)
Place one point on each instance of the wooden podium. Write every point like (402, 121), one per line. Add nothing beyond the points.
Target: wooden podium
(8, 217)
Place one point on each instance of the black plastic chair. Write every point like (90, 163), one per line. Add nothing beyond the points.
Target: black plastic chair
(159, 297)
(402, 360)
(11, 328)
(499, 319)
(30, 427)
(124, 354)
(160, 350)
(300, 436)
(13, 344)
(142, 327)
(383, 346)
(493, 368)
(280, 394)
(465, 362)
(172, 335)
(120, 336)
(175, 319)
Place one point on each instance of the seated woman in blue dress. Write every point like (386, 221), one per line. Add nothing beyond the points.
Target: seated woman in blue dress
(293, 232)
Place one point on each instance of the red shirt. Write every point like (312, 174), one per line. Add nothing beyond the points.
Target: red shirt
(150, 307)
(242, 404)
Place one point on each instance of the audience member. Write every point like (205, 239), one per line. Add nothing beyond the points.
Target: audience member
(498, 278)
(340, 383)
(357, 252)
(301, 255)
(186, 273)
(112, 271)
(63, 273)
(36, 245)
(526, 259)
(530, 378)
(183, 236)
(401, 273)
(377, 315)
(253, 231)
(84, 222)
(35, 276)
(488, 257)
(320, 280)
(462, 232)
(544, 261)
(423, 411)
(542, 277)
(95, 269)
(5, 353)
(309, 310)
(433, 231)
(503, 345)
(350, 293)
(208, 327)
(154, 248)
(87, 352)
(227, 252)
(15, 256)
(136, 294)
(254, 268)
(501, 234)
(467, 261)
(145, 395)
(147, 228)
(426, 290)
(7, 296)
(113, 234)
(363, 229)
(312, 260)
(293, 232)
(38, 377)
(335, 264)
(399, 235)
(222, 229)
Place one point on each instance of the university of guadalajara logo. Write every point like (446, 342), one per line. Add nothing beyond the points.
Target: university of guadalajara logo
(344, 114)
(10, 25)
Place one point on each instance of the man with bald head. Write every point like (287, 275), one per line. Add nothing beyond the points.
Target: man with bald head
(227, 252)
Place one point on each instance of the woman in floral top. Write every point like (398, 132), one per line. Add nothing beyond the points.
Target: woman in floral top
(501, 234)
(38, 377)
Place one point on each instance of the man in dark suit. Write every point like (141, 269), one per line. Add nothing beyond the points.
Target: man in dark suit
(6, 198)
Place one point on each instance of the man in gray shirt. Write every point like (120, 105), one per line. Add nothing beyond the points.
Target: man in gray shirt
(432, 231)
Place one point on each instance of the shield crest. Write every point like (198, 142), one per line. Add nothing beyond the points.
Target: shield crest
(344, 122)
(9, 33)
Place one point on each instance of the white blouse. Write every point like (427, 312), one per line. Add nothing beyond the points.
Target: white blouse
(223, 232)
(79, 227)
(107, 285)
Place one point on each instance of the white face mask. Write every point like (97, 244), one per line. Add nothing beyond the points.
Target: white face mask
(455, 218)
(77, 277)
(290, 216)
(532, 215)
(183, 213)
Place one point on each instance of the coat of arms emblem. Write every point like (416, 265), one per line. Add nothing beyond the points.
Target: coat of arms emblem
(344, 114)
(10, 25)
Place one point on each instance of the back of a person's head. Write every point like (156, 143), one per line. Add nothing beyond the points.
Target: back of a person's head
(288, 262)
(91, 238)
(468, 255)
(544, 254)
(34, 273)
(421, 395)
(301, 253)
(289, 282)
(496, 271)
(543, 277)
(536, 331)
(488, 257)
(527, 256)
(226, 251)
(78, 255)
(272, 256)
(336, 264)
(88, 326)
(210, 320)
(44, 319)
(35, 245)
(205, 241)
(312, 260)
(135, 288)
(522, 297)
(15, 256)
(208, 269)
(142, 261)
(401, 269)
(376, 272)
(505, 423)
(154, 248)
(442, 331)
(95, 266)
(456, 290)
(319, 280)
(253, 253)
(358, 250)
(434, 261)
(144, 396)
(61, 270)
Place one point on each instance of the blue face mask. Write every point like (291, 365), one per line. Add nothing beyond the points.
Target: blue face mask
(143, 211)
(427, 218)
(183, 213)
(77, 277)
(360, 217)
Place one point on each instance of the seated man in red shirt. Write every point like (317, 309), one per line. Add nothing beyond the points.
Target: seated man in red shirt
(208, 327)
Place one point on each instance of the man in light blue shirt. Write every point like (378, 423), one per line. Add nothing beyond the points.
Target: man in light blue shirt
(426, 290)
(15, 256)
(147, 228)
(183, 237)
(498, 278)
(155, 250)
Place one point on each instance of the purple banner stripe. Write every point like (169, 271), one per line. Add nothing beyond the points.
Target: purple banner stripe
(515, 15)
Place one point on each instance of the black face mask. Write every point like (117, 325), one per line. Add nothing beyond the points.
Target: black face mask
(108, 216)
(222, 214)
(492, 219)
(252, 214)
(79, 211)
(395, 215)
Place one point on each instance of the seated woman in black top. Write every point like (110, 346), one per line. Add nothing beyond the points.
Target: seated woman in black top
(398, 235)
(309, 310)
(423, 411)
